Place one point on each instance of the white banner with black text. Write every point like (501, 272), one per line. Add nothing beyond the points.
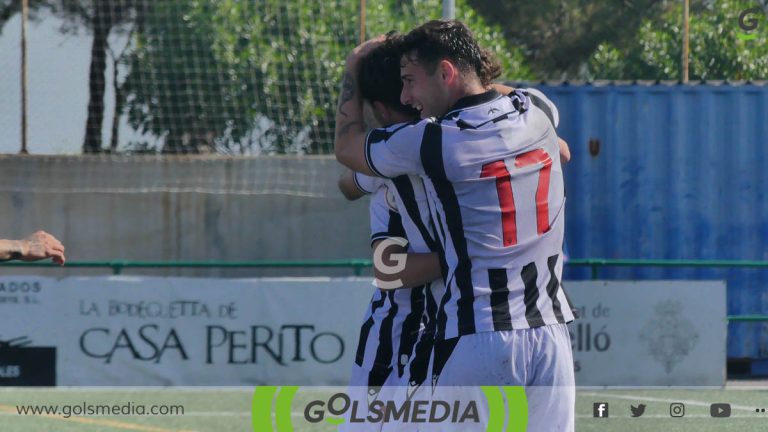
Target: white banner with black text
(150, 331)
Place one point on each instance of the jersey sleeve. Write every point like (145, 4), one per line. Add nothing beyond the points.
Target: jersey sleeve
(367, 184)
(385, 218)
(396, 150)
(543, 103)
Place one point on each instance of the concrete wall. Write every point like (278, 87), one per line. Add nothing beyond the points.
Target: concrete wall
(186, 208)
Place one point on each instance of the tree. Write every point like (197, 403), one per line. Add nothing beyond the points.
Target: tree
(234, 76)
(716, 51)
(9, 8)
(560, 36)
(404, 15)
(100, 17)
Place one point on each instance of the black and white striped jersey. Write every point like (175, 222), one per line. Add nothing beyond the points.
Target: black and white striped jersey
(367, 184)
(491, 170)
(395, 319)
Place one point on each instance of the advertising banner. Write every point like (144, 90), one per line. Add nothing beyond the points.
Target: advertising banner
(144, 331)
(649, 333)
(149, 331)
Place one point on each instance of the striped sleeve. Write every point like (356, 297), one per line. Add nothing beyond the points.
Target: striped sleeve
(395, 150)
(543, 103)
(385, 218)
(367, 184)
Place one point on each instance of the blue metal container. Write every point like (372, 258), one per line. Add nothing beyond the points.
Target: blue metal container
(670, 171)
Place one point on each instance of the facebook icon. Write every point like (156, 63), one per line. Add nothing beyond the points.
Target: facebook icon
(600, 409)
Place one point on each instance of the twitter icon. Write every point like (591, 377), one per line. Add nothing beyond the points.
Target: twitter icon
(637, 411)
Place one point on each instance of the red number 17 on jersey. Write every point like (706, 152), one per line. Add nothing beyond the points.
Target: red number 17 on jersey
(498, 169)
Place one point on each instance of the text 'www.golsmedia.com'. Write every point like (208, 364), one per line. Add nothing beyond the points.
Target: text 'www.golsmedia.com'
(86, 409)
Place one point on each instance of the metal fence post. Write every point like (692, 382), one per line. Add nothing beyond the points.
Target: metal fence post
(362, 37)
(24, 19)
(449, 9)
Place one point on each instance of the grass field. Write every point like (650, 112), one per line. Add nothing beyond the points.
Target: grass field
(229, 409)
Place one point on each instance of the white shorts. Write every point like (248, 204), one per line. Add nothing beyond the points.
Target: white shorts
(373, 372)
(539, 359)
(388, 343)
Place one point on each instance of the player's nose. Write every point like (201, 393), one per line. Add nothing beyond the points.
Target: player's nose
(405, 97)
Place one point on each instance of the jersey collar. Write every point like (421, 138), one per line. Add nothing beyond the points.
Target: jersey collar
(478, 99)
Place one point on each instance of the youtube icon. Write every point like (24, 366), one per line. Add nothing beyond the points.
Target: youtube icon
(720, 410)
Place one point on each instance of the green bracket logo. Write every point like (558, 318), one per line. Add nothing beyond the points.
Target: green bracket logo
(506, 404)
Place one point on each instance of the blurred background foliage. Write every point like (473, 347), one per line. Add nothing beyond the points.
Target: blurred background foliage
(260, 76)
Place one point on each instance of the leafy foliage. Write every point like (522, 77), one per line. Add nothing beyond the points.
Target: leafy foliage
(558, 37)
(257, 76)
(261, 76)
(716, 51)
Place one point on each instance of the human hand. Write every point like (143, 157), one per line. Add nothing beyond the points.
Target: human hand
(41, 245)
(366, 47)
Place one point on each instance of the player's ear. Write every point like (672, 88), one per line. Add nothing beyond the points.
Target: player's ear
(448, 71)
(382, 113)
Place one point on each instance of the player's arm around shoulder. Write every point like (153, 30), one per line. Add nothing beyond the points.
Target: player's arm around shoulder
(350, 133)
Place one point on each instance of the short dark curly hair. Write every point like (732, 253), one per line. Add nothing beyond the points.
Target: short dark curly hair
(379, 76)
(451, 40)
